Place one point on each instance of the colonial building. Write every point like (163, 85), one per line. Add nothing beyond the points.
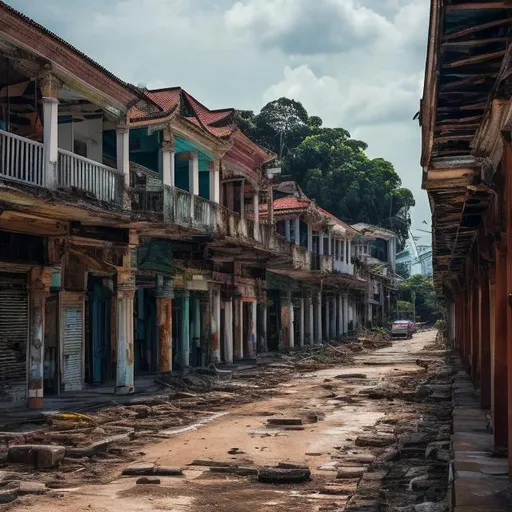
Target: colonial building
(467, 171)
(141, 232)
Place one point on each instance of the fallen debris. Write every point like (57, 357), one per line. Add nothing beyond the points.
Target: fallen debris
(148, 480)
(283, 476)
(39, 456)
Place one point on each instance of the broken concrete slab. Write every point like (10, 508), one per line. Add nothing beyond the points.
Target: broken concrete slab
(143, 468)
(8, 495)
(39, 456)
(32, 488)
(148, 480)
(351, 472)
(283, 476)
(168, 471)
(351, 376)
(284, 421)
(375, 441)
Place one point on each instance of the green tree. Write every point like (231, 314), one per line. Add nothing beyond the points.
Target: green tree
(402, 269)
(419, 291)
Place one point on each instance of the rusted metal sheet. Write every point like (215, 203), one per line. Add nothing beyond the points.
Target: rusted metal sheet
(72, 339)
(14, 323)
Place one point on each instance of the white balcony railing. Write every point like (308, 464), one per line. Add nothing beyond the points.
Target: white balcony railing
(101, 181)
(21, 159)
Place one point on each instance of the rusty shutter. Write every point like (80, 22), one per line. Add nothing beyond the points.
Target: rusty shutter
(13, 336)
(72, 315)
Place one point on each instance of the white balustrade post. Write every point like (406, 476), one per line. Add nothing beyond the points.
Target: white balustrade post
(193, 180)
(215, 180)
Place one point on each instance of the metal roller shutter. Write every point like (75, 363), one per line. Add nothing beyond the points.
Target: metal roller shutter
(72, 314)
(13, 336)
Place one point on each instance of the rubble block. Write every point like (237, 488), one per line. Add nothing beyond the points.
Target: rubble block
(148, 480)
(32, 488)
(283, 476)
(284, 421)
(144, 468)
(40, 456)
(168, 471)
(8, 495)
(375, 441)
(351, 472)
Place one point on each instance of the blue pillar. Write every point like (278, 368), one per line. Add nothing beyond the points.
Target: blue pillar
(185, 330)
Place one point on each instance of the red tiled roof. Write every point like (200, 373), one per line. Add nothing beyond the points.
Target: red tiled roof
(287, 203)
(334, 218)
(168, 98)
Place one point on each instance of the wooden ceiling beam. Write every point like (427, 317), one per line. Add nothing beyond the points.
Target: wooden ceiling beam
(475, 59)
(503, 4)
(458, 126)
(459, 120)
(477, 28)
(448, 138)
(475, 42)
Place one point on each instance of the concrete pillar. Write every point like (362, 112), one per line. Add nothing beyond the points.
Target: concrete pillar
(263, 342)
(297, 230)
(193, 180)
(205, 327)
(287, 229)
(50, 86)
(125, 347)
(301, 323)
(164, 296)
(168, 159)
(242, 199)
(327, 330)
(333, 318)
(215, 326)
(195, 334)
(311, 320)
(215, 181)
(329, 244)
(185, 331)
(256, 214)
(291, 316)
(320, 243)
(238, 333)
(340, 314)
(345, 313)
(252, 328)
(228, 331)
(38, 291)
(310, 237)
(319, 337)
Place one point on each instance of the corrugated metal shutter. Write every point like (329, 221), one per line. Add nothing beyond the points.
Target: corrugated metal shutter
(13, 336)
(72, 314)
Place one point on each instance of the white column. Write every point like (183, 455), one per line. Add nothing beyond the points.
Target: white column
(311, 316)
(301, 323)
(215, 181)
(242, 199)
(344, 248)
(287, 229)
(215, 326)
(310, 237)
(320, 243)
(125, 343)
(253, 322)
(228, 331)
(345, 313)
(329, 244)
(291, 330)
(319, 337)
(256, 208)
(327, 319)
(50, 140)
(193, 180)
(297, 231)
(340, 314)
(333, 318)
(123, 154)
(349, 252)
(263, 323)
(351, 313)
(168, 163)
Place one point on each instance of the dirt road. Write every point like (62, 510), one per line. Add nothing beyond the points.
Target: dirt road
(333, 412)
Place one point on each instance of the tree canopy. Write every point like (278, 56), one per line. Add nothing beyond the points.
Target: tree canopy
(418, 291)
(331, 167)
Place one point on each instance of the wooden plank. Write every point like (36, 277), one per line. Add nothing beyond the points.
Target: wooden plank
(477, 28)
(475, 42)
(503, 4)
(475, 60)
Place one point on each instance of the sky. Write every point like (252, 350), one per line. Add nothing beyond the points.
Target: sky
(357, 64)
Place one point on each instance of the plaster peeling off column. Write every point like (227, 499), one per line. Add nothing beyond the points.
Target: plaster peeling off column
(251, 330)
(39, 289)
(228, 331)
(164, 296)
(185, 331)
(125, 348)
(168, 177)
(215, 181)
(215, 327)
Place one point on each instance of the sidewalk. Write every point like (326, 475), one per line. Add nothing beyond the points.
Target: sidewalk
(481, 482)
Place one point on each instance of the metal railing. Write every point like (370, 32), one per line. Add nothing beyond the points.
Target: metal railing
(103, 182)
(21, 159)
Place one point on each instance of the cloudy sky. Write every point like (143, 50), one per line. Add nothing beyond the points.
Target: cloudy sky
(355, 63)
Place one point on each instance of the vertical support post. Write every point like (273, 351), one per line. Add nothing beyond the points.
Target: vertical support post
(185, 331)
(193, 180)
(333, 317)
(256, 214)
(50, 86)
(38, 291)
(215, 326)
(123, 161)
(291, 317)
(239, 326)
(263, 346)
(252, 328)
(228, 331)
(287, 234)
(329, 244)
(168, 174)
(327, 334)
(345, 313)
(301, 322)
(205, 326)
(319, 337)
(311, 319)
(310, 237)
(485, 314)
(215, 180)
(164, 296)
(195, 335)
(297, 231)
(242, 199)
(500, 360)
(340, 314)
(125, 345)
(320, 243)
